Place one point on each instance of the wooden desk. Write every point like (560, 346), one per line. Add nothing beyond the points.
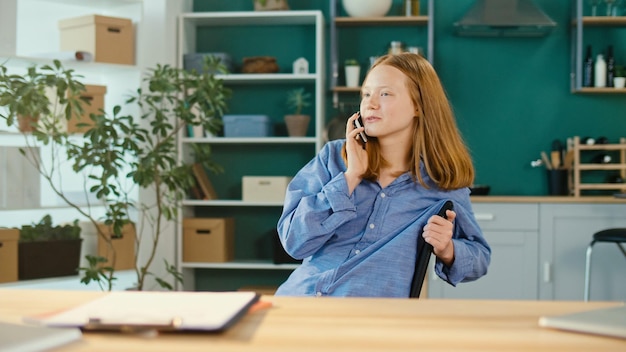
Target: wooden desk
(346, 324)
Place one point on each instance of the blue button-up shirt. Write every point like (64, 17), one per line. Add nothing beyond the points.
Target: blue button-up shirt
(364, 244)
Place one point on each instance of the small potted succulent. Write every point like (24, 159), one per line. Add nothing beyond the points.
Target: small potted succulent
(297, 122)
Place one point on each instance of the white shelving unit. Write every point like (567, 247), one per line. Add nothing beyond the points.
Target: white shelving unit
(189, 23)
(29, 35)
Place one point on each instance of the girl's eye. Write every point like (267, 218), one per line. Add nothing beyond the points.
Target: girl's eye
(384, 94)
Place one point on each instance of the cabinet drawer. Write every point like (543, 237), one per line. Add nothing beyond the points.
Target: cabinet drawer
(507, 216)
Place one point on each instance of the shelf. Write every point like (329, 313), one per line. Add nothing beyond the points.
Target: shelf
(586, 167)
(601, 147)
(252, 78)
(254, 221)
(423, 26)
(608, 90)
(579, 23)
(603, 186)
(244, 265)
(250, 18)
(604, 21)
(382, 21)
(96, 4)
(251, 140)
(229, 203)
(343, 89)
(82, 66)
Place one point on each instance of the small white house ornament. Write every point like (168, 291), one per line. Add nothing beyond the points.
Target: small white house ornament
(300, 66)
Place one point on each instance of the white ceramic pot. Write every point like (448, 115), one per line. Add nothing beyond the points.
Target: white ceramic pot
(366, 8)
(619, 82)
(352, 75)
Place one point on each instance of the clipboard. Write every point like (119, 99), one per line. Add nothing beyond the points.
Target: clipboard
(136, 311)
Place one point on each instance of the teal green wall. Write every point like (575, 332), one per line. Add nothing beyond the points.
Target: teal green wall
(511, 95)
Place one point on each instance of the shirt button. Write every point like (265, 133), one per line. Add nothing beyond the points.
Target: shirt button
(357, 251)
(318, 294)
(382, 195)
(372, 226)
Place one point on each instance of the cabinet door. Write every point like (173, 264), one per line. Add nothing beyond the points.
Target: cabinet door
(566, 231)
(512, 233)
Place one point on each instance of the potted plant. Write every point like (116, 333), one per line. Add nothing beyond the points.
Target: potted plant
(353, 72)
(619, 80)
(46, 250)
(270, 5)
(121, 153)
(297, 122)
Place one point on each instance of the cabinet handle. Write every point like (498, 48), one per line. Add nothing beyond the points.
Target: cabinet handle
(487, 217)
(547, 270)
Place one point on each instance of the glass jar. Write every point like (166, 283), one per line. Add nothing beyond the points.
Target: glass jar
(396, 48)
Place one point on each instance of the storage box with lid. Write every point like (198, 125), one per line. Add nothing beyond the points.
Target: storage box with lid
(94, 95)
(8, 254)
(264, 188)
(108, 39)
(208, 240)
(247, 126)
(195, 61)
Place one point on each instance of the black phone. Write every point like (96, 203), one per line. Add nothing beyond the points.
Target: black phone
(359, 123)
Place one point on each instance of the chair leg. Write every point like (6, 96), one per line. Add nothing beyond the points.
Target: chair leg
(588, 272)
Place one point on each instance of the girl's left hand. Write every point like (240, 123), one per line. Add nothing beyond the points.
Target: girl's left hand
(438, 233)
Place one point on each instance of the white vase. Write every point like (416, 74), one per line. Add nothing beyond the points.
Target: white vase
(619, 82)
(352, 75)
(366, 8)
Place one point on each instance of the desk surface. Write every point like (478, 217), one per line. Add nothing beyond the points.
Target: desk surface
(345, 324)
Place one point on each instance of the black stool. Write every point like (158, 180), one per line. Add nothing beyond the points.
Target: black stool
(617, 236)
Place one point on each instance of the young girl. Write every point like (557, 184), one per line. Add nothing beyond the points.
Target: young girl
(354, 212)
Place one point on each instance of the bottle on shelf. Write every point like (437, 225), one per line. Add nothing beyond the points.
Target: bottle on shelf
(588, 69)
(600, 72)
(610, 67)
(411, 7)
(602, 158)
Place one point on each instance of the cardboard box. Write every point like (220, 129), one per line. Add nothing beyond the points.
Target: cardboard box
(8, 254)
(108, 39)
(264, 188)
(124, 247)
(247, 126)
(208, 239)
(95, 97)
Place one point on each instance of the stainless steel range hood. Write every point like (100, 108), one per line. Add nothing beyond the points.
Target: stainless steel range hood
(504, 18)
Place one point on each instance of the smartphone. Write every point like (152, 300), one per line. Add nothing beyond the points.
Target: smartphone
(359, 123)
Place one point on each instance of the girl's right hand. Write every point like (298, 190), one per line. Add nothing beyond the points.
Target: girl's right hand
(357, 156)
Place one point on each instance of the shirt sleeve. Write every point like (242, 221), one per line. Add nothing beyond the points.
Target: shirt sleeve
(472, 253)
(316, 203)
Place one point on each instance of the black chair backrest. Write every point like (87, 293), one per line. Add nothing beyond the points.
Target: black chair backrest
(423, 256)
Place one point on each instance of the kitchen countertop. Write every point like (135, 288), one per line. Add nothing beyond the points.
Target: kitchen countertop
(547, 199)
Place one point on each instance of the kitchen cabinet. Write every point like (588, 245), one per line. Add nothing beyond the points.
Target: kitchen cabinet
(512, 232)
(565, 232)
(538, 252)
(582, 26)
(352, 42)
(256, 93)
